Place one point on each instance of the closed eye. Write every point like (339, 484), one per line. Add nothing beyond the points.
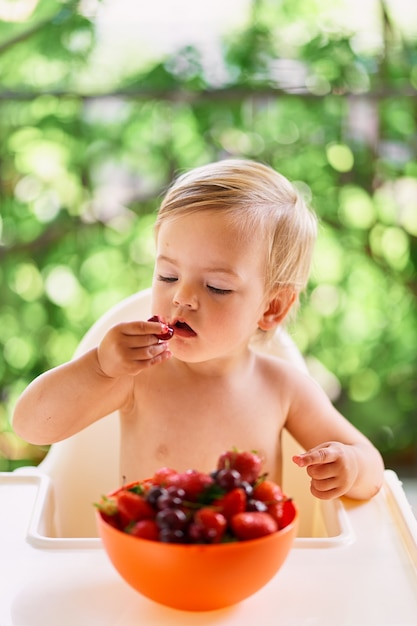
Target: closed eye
(167, 279)
(221, 292)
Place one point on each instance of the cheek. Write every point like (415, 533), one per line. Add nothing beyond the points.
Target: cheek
(158, 299)
(231, 321)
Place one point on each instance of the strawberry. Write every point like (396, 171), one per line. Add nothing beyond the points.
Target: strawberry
(107, 506)
(231, 503)
(108, 511)
(112, 520)
(146, 529)
(267, 491)
(208, 526)
(193, 482)
(282, 511)
(288, 513)
(234, 502)
(248, 464)
(161, 475)
(132, 507)
(250, 525)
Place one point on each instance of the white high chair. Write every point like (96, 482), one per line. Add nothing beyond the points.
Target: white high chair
(85, 465)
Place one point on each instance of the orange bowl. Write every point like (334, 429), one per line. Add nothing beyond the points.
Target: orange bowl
(197, 577)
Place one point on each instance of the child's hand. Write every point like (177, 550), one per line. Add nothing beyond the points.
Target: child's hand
(130, 347)
(332, 467)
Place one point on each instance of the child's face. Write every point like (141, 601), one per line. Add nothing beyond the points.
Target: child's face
(209, 284)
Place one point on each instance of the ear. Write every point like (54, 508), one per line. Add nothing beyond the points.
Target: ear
(278, 308)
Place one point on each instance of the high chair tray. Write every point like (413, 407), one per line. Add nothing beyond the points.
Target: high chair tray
(365, 576)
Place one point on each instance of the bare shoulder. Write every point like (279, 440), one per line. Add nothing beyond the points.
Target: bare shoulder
(300, 390)
(281, 369)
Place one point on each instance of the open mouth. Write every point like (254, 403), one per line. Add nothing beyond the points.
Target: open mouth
(184, 330)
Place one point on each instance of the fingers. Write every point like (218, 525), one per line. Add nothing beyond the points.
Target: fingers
(316, 456)
(130, 341)
(139, 335)
(139, 364)
(144, 352)
(142, 328)
(326, 491)
(129, 347)
(329, 469)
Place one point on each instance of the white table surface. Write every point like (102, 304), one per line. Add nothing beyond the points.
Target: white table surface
(369, 580)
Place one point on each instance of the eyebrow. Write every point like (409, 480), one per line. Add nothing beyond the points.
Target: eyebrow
(210, 270)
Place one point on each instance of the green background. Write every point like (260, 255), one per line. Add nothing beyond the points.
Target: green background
(87, 150)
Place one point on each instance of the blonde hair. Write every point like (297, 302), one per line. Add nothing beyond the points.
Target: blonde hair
(260, 203)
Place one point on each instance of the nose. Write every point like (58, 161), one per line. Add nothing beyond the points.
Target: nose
(185, 297)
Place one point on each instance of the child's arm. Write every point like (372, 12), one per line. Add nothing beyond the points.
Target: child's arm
(339, 459)
(68, 398)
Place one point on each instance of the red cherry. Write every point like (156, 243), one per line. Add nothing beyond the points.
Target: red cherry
(169, 330)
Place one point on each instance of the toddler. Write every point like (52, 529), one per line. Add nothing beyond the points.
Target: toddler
(234, 242)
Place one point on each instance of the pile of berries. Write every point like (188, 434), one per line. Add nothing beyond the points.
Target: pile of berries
(233, 503)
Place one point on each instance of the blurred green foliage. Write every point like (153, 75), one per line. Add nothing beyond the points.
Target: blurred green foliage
(82, 174)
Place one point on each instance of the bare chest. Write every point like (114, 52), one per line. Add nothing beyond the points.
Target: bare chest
(187, 428)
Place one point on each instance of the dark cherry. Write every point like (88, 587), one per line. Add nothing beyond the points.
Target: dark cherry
(256, 505)
(228, 479)
(172, 499)
(154, 494)
(247, 488)
(164, 336)
(175, 519)
(172, 535)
